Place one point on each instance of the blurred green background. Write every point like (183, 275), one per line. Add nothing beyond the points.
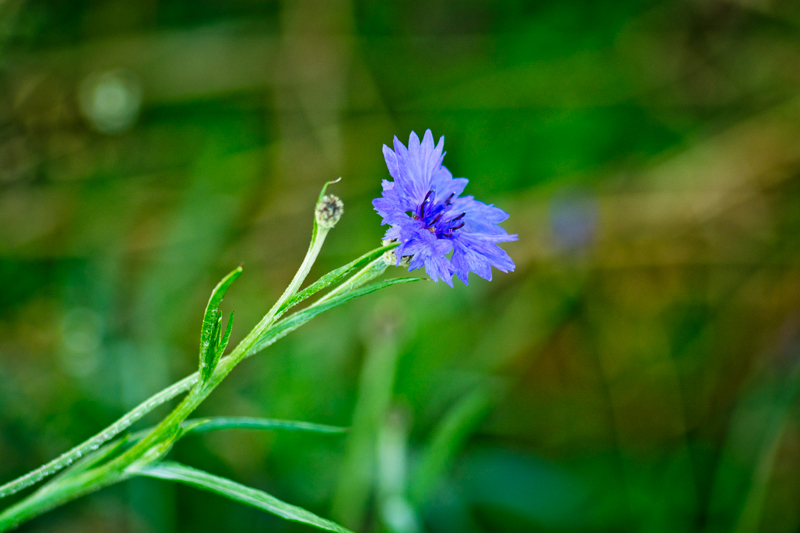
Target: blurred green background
(638, 371)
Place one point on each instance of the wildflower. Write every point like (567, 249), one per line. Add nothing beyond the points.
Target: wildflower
(430, 220)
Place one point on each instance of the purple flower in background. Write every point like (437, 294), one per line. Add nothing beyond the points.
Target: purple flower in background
(430, 220)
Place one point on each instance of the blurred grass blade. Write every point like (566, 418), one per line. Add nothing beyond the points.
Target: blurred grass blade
(296, 320)
(224, 487)
(373, 399)
(776, 418)
(335, 276)
(449, 439)
(209, 334)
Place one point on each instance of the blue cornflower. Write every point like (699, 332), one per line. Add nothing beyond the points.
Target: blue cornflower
(430, 220)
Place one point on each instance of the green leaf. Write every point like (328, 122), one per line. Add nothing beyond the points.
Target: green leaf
(325, 187)
(224, 487)
(197, 425)
(92, 460)
(299, 318)
(209, 334)
(86, 447)
(335, 276)
(222, 343)
(203, 425)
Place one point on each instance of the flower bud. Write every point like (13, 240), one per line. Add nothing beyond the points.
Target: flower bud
(329, 210)
(391, 258)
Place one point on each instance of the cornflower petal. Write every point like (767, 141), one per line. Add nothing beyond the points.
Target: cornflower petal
(481, 217)
(475, 252)
(436, 228)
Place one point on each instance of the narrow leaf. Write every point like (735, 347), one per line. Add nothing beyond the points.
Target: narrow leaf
(299, 318)
(335, 276)
(216, 348)
(325, 187)
(91, 460)
(203, 425)
(86, 447)
(223, 343)
(208, 358)
(224, 487)
(209, 334)
(213, 424)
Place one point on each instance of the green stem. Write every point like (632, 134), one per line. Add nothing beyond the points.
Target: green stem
(365, 275)
(317, 239)
(96, 441)
(162, 435)
(369, 272)
(52, 496)
(88, 446)
(158, 442)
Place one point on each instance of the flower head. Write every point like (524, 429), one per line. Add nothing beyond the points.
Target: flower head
(438, 229)
(329, 210)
